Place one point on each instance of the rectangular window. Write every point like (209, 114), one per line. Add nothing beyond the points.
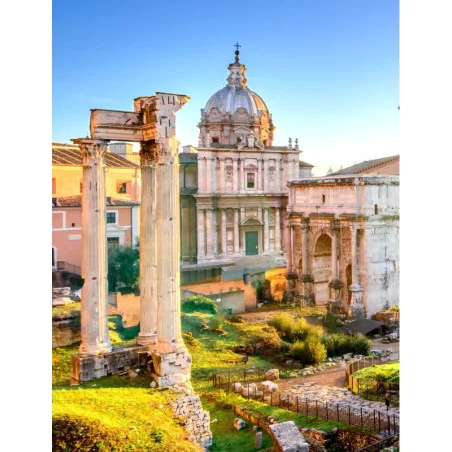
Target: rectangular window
(53, 186)
(111, 217)
(113, 241)
(215, 139)
(123, 187)
(249, 180)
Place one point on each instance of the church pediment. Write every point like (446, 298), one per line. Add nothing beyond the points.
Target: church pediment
(241, 115)
(252, 222)
(214, 115)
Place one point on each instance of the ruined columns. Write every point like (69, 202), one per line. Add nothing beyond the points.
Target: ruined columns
(291, 276)
(306, 279)
(356, 308)
(335, 285)
(94, 304)
(148, 251)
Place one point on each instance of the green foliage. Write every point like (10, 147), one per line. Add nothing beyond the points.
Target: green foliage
(123, 267)
(339, 344)
(198, 303)
(301, 330)
(383, 373)
(351, 440)
(395, 308)
(311, 351)
(283, 323)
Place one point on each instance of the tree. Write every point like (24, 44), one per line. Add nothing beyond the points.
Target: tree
(123, 267)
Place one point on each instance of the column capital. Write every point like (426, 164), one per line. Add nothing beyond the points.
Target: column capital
(91, 148)
(148, 153)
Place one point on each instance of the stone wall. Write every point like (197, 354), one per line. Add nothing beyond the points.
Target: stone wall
(188, 408)
(66, 331)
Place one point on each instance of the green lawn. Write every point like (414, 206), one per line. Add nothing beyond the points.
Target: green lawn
(382, 373)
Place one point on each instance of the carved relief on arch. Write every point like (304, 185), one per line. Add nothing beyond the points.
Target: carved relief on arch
(241, 115)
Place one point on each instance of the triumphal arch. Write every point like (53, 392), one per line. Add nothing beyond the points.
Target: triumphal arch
(153, 125)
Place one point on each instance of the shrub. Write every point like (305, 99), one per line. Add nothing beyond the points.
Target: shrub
(302, 330)
(312, 351)
(283, 323)
(340, 344)
(198, 303)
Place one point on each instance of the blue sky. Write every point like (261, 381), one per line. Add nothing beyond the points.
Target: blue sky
(328, 70)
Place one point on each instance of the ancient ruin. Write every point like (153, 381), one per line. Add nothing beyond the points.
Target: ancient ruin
(152, 123)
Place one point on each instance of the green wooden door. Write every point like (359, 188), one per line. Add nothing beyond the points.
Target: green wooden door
(251, 243)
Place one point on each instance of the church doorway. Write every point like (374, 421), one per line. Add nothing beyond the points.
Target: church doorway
(322, 269)
(251, 243)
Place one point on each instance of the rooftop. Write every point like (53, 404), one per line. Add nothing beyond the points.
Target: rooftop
(76, 201)
(365, 166)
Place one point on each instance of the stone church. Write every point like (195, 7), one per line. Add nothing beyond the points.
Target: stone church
(242, 178)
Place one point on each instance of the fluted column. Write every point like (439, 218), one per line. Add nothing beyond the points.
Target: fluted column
(223, 232)
(201, 235)
(306, 280)
(221, 178)
(288, 237)
(235, 186)
(201, 175)
(241, 180)
(215, 232)
(209, 231)
(277, 229)
(236, 232)
(94, 304)
(334, 273)
(335, 285)
(356, 309)
(266, 238)
(148, 251)
(304, 248)
(266, 187)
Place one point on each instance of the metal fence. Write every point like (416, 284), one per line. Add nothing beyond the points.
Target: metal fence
(372, 389)
(380, 445)
(372, 419)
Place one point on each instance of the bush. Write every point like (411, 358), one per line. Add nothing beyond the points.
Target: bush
(198, 303)
(339, 344)
(302, 330)
(312, 351)
(283, 323)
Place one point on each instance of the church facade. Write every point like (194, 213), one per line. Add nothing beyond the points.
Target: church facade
(242, 178)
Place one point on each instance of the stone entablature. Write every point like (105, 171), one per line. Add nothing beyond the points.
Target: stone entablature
(344, 251)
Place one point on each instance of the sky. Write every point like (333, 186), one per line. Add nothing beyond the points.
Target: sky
(328, 70)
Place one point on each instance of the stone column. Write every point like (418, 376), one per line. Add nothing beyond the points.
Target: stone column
(259, 174)
(223, 233)
(278, 175)
(236, 232)
(235, 186)
(209, 232)
(213, 179)
(221, 179)
(306, 279)
(335, 284)
(266, 184)
(201, 235)
(266, 238)
(94, 304)
(148, 252)
(241, 175)
(277, 229)
(201, 175)
(291, 276)
(356, 309)
(215, 232)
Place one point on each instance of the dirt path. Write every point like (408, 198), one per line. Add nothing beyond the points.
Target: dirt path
(334, 376)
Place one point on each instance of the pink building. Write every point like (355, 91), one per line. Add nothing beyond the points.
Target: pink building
(123, 200)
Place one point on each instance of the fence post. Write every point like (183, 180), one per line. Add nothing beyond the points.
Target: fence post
(244, 374)
(316, 409)
(248, 391)
(361, 417)
(349, 418)
(374, 419)
(389, 424)
(307, 406)
(337, 411)
(326, 406)
(379, 422)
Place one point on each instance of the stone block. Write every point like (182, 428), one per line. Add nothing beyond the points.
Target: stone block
(269, 386)
(288, 438)
(239, 423)
(272, 374)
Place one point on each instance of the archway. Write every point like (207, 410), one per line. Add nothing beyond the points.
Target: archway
(322, 269)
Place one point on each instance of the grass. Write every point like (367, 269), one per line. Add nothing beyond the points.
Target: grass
(67, 310)
(225, 436)
(382, 373)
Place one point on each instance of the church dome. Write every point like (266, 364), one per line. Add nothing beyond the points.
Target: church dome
(234, 112)
(228, 99)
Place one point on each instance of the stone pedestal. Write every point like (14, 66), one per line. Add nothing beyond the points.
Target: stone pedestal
(291, 286)
(307, 297)
(172, 368)
(356, 309)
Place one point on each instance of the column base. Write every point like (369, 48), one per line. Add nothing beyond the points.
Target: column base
(147, 340)
(172, 368)
(356, 311)
(335, 287)
(86, 368)
(97, 349)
